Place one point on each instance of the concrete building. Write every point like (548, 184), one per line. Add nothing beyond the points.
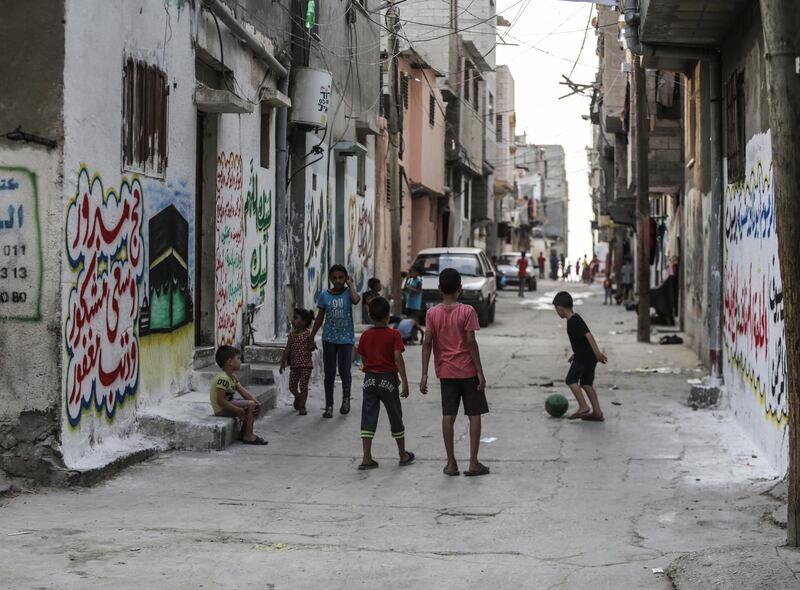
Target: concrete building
(510, 215)
(425, 221)
(712, 173)
(467, 86)
(542, 178)
(147, 218)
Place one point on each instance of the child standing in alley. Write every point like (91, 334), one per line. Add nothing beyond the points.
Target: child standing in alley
(297, 355)
(608, 286)
(450, 334)
(381, 350)
(224, 387)
(584, 360)
(336, 311)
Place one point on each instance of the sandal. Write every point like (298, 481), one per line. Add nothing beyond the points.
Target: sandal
(450, 473)
(482, 470)
(365, 466)
(409, 461)
(256, 441)
(328, 413)
(345, 409)
(593, 418)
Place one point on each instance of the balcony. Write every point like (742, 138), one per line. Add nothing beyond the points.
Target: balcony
(703, 23)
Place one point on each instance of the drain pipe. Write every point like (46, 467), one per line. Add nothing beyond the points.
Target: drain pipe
(712, 58)
(282, 204)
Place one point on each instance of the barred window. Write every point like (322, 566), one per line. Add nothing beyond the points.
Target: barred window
(432, 110)
(144, 118)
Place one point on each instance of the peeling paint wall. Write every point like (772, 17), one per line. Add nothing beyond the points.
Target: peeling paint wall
(31, 245)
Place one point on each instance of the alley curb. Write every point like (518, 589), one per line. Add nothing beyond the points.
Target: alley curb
(751, 567)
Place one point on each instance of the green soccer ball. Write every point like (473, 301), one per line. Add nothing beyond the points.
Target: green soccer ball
(556, 405)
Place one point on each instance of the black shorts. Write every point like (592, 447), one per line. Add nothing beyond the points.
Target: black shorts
(581, 372)
(381, 388)
(454, 390)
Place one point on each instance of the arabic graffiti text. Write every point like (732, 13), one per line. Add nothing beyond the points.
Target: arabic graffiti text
(105, 255)
(228, 299)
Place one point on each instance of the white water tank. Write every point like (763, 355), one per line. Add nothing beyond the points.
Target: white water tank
(311, 97)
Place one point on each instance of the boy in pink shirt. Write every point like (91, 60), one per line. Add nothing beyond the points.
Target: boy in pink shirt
(450, 332)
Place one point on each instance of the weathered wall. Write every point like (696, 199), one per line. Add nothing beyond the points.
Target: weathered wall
(753, 335)
(128, 273)
(31, 43)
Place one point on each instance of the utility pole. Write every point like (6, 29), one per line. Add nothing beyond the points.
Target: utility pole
(642, 201)
(395, 188)
(781, 23)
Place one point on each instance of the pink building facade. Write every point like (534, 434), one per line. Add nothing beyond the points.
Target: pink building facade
(424, 195)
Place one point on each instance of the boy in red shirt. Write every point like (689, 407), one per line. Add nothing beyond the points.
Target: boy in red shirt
(381, 350)
(450, 332)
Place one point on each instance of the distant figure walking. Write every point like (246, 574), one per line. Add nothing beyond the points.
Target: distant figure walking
(627, 280)
(541, 260)
(522, 272)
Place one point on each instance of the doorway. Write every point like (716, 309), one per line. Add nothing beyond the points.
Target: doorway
(339, 244)
(205, 228)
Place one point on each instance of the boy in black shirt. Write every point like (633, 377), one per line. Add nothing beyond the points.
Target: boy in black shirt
(584, 360)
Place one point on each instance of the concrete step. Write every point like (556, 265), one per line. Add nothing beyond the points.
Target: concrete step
(186, 422)
(269, 353)
(263, 373)
(203, 356)
(200, 379)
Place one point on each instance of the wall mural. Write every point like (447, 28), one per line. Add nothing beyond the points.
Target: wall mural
(360, 240)
(20, 245)
(755, 351)
(166, 317)
(105, 252)
(258, 220)
(229, 296)
(318, 233)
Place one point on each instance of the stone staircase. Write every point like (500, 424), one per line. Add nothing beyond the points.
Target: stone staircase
(186, 422)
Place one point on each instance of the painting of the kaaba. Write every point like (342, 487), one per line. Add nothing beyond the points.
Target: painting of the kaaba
(170, 303)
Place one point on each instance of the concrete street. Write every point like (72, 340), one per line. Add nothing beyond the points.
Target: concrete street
(568, 504)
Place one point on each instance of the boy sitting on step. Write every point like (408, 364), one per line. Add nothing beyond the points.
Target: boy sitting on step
(224, 386)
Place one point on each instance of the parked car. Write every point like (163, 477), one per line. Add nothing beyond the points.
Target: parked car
(479, 288)
(508, 266)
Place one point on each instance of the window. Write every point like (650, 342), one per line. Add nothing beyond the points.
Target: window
(404, 90)
(475, 96)
(734, 126)
(144, 118)
(314, 181)
(361, 175)
(499, 127)
(432, 110)
(266, 117)
(467, 78)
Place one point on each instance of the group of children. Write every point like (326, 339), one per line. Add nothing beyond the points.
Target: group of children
(449, 335)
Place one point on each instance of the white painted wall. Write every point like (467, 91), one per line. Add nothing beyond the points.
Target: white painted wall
(754, 342)
(117, 367)
(29, 332)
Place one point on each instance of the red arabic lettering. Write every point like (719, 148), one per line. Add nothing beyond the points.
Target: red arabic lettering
(105, 253)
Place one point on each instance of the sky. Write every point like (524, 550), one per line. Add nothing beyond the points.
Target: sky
(549, 34)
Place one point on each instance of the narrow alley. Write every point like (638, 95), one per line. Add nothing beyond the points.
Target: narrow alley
(569, 504)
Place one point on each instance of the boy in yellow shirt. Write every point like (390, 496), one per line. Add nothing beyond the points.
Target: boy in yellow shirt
(224, 386)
